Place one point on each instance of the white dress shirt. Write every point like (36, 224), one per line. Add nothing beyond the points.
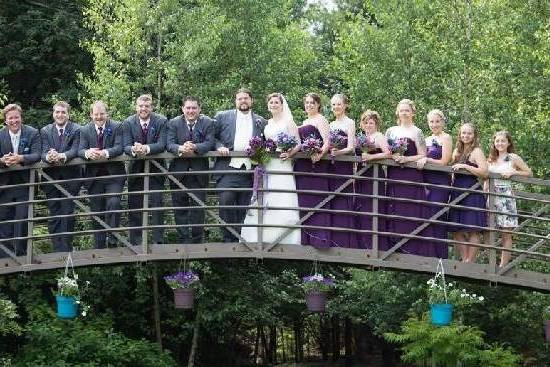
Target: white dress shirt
(15, 139)
(243, 134)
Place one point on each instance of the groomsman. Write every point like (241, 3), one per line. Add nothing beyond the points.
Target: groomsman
(19, 146)
(101, 140)
(144, 134)
(234, 129)
(60, 141)
(190, 135)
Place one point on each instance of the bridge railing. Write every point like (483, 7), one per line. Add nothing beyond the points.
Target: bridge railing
(529, 256)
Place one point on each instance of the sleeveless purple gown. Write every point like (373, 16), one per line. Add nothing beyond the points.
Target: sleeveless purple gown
(406, 209)
(474, 200)
(342, 238)
(436, 195)
(319, 238)
(364, 204)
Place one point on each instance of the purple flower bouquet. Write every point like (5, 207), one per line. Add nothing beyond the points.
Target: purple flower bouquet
(398, 146)
(364, 143)
(286, 142)
(259, 150)
(338, 139)
(311, 146)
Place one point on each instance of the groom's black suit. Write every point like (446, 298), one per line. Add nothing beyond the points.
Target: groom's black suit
(225, 137)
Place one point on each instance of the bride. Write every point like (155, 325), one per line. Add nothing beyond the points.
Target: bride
(281, 121)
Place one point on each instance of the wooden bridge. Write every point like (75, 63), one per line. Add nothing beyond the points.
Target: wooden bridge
(529, 266)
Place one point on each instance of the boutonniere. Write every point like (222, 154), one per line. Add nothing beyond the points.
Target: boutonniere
(108, 131)
(258, 123)
(23, 141)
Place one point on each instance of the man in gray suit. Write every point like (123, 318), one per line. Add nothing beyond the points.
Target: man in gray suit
(234, 129)
(60, 141)
(101, 140)
(19, 146)
(189, 136)
(144, 133)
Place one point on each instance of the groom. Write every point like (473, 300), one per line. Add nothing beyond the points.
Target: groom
(234, 129)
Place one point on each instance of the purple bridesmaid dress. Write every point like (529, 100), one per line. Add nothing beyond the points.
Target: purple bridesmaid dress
(364, 204)
(436, 195)
(319, 238)
(474, 200)
(342, 238)
(407, 209)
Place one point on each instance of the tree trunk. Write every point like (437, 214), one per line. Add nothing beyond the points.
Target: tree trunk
(347, 342)
(156, 308)
(264, 345)
(298, 343)
(256, 345)
(324, 341)
(335, 338)
(273, 344)
(194, 342)
(283, 349)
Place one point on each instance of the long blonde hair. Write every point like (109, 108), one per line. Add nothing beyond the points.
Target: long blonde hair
(462, 152)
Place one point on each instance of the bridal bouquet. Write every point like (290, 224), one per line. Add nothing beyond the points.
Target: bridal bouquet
(311, 146)
(286, 142)
(259, 150)
(364, 143)
(338, 139)
(398, 145)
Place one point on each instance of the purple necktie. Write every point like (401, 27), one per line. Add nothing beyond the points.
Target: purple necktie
(60, 137)
(144, 134)
(100, 138)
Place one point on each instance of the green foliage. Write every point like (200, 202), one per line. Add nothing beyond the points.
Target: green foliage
(450, 346)
(40, 52)
(8, 316)
(168, 50)
(86, 344)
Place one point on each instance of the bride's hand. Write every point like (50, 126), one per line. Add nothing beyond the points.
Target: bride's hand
(284, 156)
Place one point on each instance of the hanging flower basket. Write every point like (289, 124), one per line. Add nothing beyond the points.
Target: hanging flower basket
(443, 297)
(546, 323)
(441, 314)
(184, 298)
(316, 288)
(69, 295)
(183, 284)
(67, 308)
(316, 301)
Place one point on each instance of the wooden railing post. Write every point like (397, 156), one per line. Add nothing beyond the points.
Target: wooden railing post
(145, 212)
(492, 227)
(30, 215)
(375, 190)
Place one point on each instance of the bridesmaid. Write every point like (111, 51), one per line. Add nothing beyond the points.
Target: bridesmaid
(504, 161)
(345, 128)
(370, 124)
(415, 150)
(318, 126)
(439, 149)
(469, 157)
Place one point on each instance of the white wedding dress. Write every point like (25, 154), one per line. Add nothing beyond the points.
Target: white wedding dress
(275, 199)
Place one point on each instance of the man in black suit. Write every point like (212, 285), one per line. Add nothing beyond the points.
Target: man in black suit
(144, 134)
(189, 136)
(101, 140)
(19, 146)
(234, 129)
(59, 145)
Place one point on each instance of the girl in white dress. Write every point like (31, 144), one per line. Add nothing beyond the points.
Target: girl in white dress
(504, 161)
(282, 121)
